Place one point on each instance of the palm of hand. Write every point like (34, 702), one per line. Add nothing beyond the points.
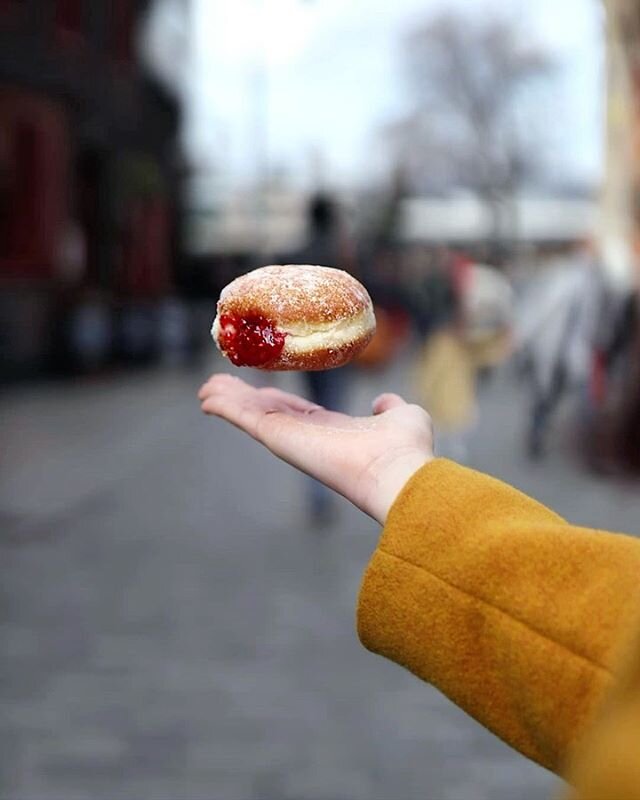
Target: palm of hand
(366, 459)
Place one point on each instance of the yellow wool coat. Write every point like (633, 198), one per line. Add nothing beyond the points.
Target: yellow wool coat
(528, 623)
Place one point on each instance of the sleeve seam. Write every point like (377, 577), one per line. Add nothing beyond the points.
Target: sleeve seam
(502, 611)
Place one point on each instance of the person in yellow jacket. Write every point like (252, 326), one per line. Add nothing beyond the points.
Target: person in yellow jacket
(528, 623)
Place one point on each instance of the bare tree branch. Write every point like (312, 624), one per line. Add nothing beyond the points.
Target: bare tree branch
(470, 79)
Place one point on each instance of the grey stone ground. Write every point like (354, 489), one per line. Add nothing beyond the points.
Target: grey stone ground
(171, 630)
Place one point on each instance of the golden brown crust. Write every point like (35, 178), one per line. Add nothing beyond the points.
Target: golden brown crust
(293, 293)
(320, 358)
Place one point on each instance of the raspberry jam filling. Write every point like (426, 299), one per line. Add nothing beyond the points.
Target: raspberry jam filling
(251, 340)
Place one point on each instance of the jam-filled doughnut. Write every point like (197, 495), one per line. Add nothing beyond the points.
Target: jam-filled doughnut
(293, 317)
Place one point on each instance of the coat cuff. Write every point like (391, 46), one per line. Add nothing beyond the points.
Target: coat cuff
(460, 591)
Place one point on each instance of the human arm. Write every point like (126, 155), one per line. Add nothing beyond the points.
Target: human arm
(513, 613)
(506, 608)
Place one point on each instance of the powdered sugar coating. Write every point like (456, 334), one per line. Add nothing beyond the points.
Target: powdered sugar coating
(296, 294)
(325, 314)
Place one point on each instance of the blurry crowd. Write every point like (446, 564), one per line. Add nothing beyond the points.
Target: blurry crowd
(96, 273)
(454, 312)
(565, 332)
(578, 334)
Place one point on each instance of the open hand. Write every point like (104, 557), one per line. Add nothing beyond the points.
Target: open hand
(366, 459)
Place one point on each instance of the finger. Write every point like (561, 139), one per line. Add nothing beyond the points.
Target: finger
(242, 408)
(268, 420)
(221, 382)
(387, 401)
(231, 386)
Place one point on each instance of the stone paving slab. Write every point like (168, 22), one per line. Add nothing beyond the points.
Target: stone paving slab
(172, 630)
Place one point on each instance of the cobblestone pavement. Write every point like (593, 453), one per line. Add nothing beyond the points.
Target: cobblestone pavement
(172, 629)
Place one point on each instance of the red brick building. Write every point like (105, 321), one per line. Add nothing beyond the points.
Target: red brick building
(88, 175)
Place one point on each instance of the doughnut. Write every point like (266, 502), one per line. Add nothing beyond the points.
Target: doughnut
(293, 317)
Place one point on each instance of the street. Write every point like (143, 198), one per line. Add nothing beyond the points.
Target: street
(172, 629)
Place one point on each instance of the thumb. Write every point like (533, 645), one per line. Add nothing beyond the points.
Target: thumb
(387, 401)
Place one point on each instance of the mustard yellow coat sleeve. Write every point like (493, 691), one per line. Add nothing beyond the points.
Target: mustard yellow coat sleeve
(513, 613)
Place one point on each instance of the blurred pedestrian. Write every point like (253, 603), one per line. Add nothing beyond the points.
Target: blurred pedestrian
(432, 290)
(557, 332)
(90, 332)
(327, 245)
(488, 318)
(445, 373)
(468, 333)
(614, 389)
(528, 623)
(390, 296)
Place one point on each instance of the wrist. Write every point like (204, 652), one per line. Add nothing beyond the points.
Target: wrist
(392, 479)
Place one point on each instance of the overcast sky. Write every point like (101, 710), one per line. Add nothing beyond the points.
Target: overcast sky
(331, 73)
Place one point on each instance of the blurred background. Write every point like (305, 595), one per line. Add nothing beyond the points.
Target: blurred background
(177, 613)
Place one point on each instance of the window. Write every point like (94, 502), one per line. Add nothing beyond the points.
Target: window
(8, 8)
(69, 16)
(122, 29)
(33, 166)
(21, 196)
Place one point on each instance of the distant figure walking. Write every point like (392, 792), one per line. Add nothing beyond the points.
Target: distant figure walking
(555, 335)
(445, 380)
(327, 246)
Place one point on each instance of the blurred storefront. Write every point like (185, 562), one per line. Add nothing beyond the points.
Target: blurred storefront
(620, 233)
(543, 223)
(88, 183)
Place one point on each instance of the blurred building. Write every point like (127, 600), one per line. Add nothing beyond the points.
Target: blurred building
(620, 205)
(233, 227)
(88, 180)
(620, 232)
(461, 221)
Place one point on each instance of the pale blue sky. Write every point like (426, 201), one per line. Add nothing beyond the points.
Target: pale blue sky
(334, 75)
